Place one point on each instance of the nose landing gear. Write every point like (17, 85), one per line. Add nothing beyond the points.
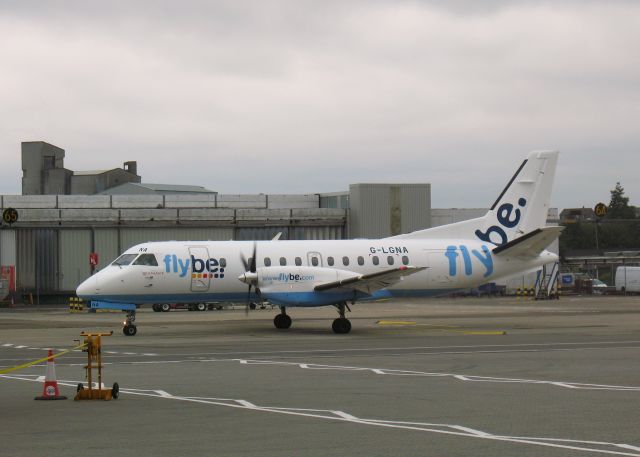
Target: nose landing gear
(129, 328)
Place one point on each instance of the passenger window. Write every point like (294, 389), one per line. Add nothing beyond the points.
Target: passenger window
(345, 261)
(390, 260)
(223, 262)
(124, 259)
(314, 261)
(330, 261)
(298, 261)
(375, 260)
(360, 260)
(283, 262)
(267, 262)
(405, 260)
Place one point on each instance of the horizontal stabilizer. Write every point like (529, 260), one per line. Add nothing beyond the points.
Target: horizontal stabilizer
(368, 284)
(529, 245)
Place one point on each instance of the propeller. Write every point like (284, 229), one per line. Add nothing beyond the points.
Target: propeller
(249, 277)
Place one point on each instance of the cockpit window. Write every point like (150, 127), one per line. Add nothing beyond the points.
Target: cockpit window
(148, 260)
(124, 259)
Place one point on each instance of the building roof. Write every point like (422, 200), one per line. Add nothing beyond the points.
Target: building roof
(90, 172)
(150, 188)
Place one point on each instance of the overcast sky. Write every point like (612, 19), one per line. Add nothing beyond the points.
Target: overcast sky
(310, 96)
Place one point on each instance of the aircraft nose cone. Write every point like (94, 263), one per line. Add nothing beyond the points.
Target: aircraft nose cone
(88, 287)
(248, 277)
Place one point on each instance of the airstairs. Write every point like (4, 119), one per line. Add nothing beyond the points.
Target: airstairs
(546, 286)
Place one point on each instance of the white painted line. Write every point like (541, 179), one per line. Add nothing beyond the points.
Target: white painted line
(610, 448)
(391, 372)
(459, 377)
(370, 349)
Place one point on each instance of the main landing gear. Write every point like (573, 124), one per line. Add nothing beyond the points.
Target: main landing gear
(282, 320)
(129, 328)
(341, 324)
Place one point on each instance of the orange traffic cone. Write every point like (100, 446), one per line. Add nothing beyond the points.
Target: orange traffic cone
(51, 391)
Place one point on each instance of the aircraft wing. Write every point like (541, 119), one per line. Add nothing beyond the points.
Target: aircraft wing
(369, 283)
(530, 244)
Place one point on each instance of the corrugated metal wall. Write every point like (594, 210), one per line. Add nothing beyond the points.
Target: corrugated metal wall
(75, 246)
(132, 236)
(416, 207)
(7, 247)
(261, 233)
(37, 263)
(317, 233)
(106, 245)
(290, 233)
(381, 210)
(369, 214)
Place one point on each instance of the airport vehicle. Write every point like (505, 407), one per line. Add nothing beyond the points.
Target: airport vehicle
(628, 279)
(511, 238)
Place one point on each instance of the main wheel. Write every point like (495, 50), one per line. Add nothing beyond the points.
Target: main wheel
(115, 391)
(157, 308)
(165, 307)
(341, 325)
(201, 306)
(129, 330)
(282, 321)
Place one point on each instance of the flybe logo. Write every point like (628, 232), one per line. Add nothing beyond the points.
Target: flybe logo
(483, 257)
(508, 217)
(199, 268)
(289, 277)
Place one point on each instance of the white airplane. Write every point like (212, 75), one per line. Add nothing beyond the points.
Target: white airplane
(510, 239)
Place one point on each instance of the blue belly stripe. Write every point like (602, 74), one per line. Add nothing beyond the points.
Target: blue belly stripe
(293, 299)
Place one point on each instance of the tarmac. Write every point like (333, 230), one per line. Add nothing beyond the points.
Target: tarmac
(432, 377)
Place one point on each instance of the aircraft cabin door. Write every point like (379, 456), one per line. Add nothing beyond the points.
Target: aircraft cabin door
(200, 276)
(314, 259)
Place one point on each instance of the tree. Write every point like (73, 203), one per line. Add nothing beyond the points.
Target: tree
(619, 207)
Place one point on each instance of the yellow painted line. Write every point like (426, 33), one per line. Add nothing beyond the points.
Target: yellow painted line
(396, 323)
(444, 328)
(35, 362)
(440, 327)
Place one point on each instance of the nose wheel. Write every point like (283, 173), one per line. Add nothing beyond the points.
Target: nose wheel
(129, 328)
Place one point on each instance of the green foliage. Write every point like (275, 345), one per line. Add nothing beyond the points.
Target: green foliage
(611, 236)
(618, 230)
(619, 207)
(578, 236)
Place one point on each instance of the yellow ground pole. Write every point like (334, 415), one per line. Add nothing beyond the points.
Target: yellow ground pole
(93, 342)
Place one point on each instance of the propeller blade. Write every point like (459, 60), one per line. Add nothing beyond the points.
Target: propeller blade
(252, 268)
(244, 262)
(249, 267)
(246, 306)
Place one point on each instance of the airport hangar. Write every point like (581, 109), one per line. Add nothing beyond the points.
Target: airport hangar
(64, 216)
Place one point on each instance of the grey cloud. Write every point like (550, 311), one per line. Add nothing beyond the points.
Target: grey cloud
(310, 96)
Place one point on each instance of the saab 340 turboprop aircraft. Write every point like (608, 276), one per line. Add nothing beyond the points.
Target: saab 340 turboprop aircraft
(510, 239)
